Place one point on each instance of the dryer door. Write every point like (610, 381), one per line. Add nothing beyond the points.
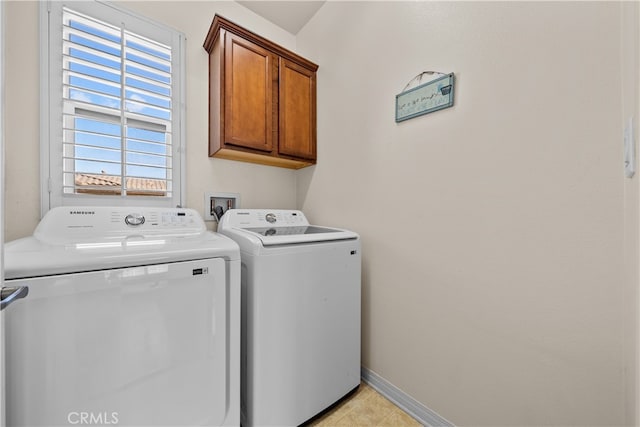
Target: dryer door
(132, 346)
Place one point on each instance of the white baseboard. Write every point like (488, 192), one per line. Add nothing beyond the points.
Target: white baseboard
(417, 410)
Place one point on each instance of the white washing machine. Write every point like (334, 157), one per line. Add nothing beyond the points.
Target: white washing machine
(301, 315)
(132, 318)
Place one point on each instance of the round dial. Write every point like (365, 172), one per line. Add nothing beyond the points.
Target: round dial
(270, 217)
(134, 219)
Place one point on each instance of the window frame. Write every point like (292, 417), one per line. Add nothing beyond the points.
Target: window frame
(51, 104)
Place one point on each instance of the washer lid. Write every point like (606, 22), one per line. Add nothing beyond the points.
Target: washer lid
(278, 227)
(270, 236)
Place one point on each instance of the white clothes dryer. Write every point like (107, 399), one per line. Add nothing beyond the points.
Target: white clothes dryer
(301, 314)
(132, 318)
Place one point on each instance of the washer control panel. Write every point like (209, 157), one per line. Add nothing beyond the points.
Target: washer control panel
(250, 218)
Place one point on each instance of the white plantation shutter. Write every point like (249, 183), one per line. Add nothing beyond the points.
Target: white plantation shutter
(115, 108)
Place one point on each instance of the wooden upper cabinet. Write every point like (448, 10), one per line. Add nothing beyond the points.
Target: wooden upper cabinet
(248, 88)
(297, 109)
(262, 99)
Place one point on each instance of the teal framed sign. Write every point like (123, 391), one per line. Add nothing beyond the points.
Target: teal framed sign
(426, 98)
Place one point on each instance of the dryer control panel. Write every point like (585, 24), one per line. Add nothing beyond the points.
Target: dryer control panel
(71, 223)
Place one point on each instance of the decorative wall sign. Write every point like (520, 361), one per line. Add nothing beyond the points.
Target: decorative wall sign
(425, 98)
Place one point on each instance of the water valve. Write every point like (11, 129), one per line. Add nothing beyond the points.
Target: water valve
(216, 204)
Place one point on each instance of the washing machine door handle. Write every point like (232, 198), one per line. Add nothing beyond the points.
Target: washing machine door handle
(11, 294)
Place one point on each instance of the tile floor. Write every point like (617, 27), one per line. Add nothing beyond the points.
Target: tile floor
(366, 407)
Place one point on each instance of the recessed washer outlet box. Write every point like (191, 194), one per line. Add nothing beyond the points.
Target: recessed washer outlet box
(215, 200)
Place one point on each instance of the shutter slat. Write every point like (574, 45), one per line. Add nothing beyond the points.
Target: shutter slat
(142, 104)
(76, 50)
(146, 165)
(108, 108)
(158, 50)
(141, 70)
(84, 81)
(89, 41)
(149, 85)
(146, 143)
(144, 93)
(92, 160)
(142, 58)
(69, 61)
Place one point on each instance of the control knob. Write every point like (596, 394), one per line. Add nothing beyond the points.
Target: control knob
(134, 219)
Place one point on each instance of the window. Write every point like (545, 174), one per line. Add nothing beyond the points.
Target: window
(113, 120)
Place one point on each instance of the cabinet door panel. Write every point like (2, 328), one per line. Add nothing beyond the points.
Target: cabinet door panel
(248, 94)
(297, 108)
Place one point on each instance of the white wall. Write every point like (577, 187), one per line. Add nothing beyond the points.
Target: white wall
(493, 233)
(22, 171)
(259, 186)
(630, 43)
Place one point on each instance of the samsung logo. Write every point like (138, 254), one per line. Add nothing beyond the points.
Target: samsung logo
(82, 212)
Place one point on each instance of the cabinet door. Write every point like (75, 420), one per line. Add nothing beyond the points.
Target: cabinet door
(297, 108)
(248, 86)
